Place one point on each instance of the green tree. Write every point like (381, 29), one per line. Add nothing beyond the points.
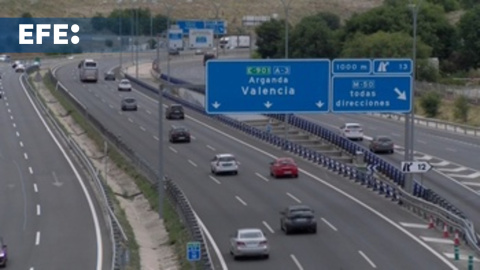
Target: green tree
(270, 37)
(312, 38)
(430, 104)
(426, 72)
(461, 108)
(332, 20)
(382, 44)
(468, 28)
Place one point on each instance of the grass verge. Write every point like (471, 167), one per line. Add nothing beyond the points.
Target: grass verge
(177, 233)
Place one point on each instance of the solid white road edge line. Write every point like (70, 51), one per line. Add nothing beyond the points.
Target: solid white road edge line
(380, 215)
(79, 178)
(212, 242)
(367, 259)
(296, 262)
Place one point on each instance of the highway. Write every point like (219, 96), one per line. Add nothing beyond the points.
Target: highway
(49, 218)
(353, 222)
(456, 176)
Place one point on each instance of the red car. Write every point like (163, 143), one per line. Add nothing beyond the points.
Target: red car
(284, 167)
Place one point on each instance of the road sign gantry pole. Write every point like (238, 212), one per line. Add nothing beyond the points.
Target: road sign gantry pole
(410, 117)
(286, 7)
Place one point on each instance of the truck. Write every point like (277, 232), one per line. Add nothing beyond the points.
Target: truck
(232, 42)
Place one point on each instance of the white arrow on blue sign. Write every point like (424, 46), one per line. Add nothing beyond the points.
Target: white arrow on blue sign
(267, 86)
(366, 94)
(194, 251)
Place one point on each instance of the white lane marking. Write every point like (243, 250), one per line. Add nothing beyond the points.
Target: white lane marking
(193, 163)
(329, 224)
(451, 149)
(21, 144)
(8, 110)
(103, 100)
(37, 239)
(111, 106)
(6, 103)
(296, 262)
(193, 137)
(414, 225)
(14, 125)
(38, 210)
(156, 138)
(367, 259)
(268, 227)
(130, 119)
(210, 147)
(93, 211)
(11, 117)
(475, 184)
(372, 210)
(173, 149)
(424, 157)
(240, 200)
(440, 164)
(17, 133)
(149, 112)
(30, 170)
(437, 240)
(142, 128)
(31, 268)
(25, 155)
(469, 176)
(262, 177)
(214, 179)
(422, 142)
(458, 169)
(35, 188)
(294, 198)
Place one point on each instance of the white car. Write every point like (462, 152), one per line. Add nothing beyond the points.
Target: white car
(249, 242)
(353, 131)
(124, 85)
(19, 68)
(224, 163)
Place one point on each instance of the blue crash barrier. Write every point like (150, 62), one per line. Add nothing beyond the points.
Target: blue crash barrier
(382, 187)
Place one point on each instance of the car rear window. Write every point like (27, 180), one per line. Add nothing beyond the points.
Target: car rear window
(226, 159)
(251, 235)
(90, 64)
(354, 127)
(177, 108)
(384, 139)
(130, 100)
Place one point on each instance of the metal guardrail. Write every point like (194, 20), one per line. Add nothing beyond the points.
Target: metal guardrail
(435, 123)
(174, 194)
(117, 235)
(437, 208)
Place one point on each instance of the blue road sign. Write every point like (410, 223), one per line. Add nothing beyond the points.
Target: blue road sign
(218, 26)
(351, 66)
(392, 66)
(194, 251)
(267, 86)
(368, 94)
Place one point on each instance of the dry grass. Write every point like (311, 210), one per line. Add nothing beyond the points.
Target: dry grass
(230, 10)
(446, 113)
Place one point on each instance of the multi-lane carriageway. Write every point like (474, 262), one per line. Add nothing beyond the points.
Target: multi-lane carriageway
(354, 223)
(49, 217)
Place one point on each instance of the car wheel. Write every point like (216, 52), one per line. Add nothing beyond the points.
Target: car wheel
(286, 230)
(360, 139)
(266, 256)
(392, 151)
(295, 176)
(235, 172)
(314, 229)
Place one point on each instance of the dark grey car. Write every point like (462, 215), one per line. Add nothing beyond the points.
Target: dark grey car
(129, 104)
(381, 144)
(175, 111)
(298, 218)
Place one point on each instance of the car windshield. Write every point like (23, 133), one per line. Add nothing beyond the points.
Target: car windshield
(251, 235)
(226, 159)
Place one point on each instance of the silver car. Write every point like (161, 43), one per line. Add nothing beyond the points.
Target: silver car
(124, 85)
(129, 104)
(249, 242)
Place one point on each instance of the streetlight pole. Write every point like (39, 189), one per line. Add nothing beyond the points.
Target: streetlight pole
(410, 117)
(120, 19)
(286, 6)
(215, 35)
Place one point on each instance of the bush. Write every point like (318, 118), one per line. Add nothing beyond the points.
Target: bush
(461, 108)
(430, 104)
